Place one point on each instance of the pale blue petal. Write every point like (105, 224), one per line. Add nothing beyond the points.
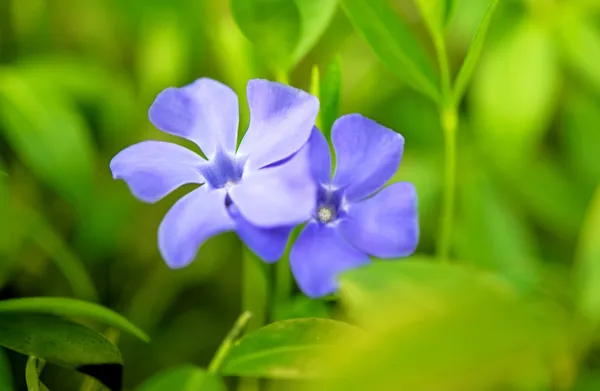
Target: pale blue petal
(320, 157)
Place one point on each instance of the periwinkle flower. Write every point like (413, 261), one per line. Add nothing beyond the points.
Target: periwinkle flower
(352, 220)
(260, 190)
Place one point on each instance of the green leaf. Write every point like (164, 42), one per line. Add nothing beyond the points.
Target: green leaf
(70, 308)
(444, 327)
(48, 134)
(515, 92)
(587, 265)
(64, 343)
(434, 13)
(283, 31)
(329, 95)
(185, 378)
(6, 381)
(290, 349)
(466, 71)
(450, 9)
(395, 43)
(301, 307)
(33, 371)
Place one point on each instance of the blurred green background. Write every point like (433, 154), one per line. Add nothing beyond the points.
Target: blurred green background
(77, 78)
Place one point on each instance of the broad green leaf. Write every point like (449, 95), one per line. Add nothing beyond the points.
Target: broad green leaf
(185, 378)
(33, 370)
(48, 134)
(301, 307)
(395, 43)
(283, 31)
(466, 71)
(71, 267)
(6, 381)
(329, 95)
(446, 328)
(290, 349)
(587, 265)
(64, 343)
(71, 308)
(515, 92)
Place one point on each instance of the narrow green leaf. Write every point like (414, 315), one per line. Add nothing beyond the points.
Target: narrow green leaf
(70, 266)
(32, 375)
(434, 14)
(6, 381)
(290, 349)
(450, 9)
(331, 84)
(315, 16)
(48, 134)
(64, 343)
(587, 265)
(185, 378)
(466, 71)
(396, 45)
(71, 308)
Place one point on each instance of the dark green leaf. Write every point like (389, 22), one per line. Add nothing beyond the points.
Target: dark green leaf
(6, 381)
(329, 95)
(587, 264)
(466, 71)
(70, 308)
(290, 349)
(32, 375)
(185, 378)
(395, 44)
(64, 343)
(301, 307)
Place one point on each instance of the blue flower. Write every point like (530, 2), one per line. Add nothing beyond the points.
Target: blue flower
(352, 220)
(260, 190)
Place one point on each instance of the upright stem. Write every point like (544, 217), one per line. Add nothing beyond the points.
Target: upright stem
(449, 122)
(234, 333)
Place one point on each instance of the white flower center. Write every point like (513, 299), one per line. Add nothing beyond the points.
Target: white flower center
(325, 214)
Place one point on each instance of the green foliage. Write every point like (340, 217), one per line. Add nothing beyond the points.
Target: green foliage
(65, 343)
(185, 378)
(70, 308)
(290, 349)
(395, 44)
(283, 31)
(33, 369)
(6, 382)
(329, 95)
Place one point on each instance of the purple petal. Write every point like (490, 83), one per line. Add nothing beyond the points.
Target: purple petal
(320, 157)
(190, 222)
(281, 120)
(385, 225)
(268, 243)
(153, 169)
(319, 256)
(368, 154)
(205, 112)
(277, 196)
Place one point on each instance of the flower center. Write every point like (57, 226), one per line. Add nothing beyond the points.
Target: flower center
(223, 171)
(325, 214)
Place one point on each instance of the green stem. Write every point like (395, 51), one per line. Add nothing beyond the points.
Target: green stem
(282, 77)
(234, 333)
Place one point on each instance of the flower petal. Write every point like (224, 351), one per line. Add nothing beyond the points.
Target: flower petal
(385, 225)
(319, 255)
(277, 196)
(281, 120)
(368, 154)
(205, 112)
(268, 243)
(190, 222)
(320, 157)
(153, 169)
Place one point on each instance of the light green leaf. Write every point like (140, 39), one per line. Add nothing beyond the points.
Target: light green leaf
(395, 43)
(48, 134)
(434, 13)
(290, 349)
(431, 324)
(466, 71)
(32, 375)
(283, 31)
(329, 96)
(70, 308)
(185, 378)
(64, 343)
(450, 9)
(587, 265)
(6, 381)
(515, 92)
